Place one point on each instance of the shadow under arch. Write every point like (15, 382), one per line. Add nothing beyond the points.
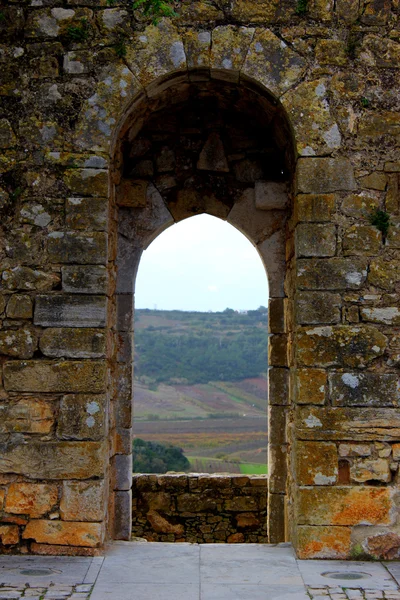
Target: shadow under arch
(200, 145)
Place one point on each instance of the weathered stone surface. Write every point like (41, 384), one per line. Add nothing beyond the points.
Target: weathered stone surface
(60, 376)
(345, 506)
(9, 535)
(314, 207)
(277, 466)
(271, 195)
(262, 11)
(278, 351)
(276, 315)
(316, 131)
(360, 205)
(20, 307)
(53, 460)
(317, 463)
(310, 386)
(272, 63)
(28, 415)
(364, 389)
(350, 346)
(70, 311)
(382, 545)
(80, 248)
(278, 386)
(88, 182)
(79, 279)
(25, 278)
(355, 450)
(375, 126)
(86, 213)
(363, 470)
(331, 52)
(323, 175)
(388, 315)
(317, 307)
(121, 471)
(323, 542)
(64, 533)
(362, 240)
(161, 525)
(155, 52)
(33, 499)
(82, 501)
(132, 193)
(272, 252)
(81, 417)
(376, 180)
(352, 424)
(197, 48)
(223, 40)
(331, 274)
(212, 157)
(73, 343)
(18, 343)
(384, 273)
(315, 240)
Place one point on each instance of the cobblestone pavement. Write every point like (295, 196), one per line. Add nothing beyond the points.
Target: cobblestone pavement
(340, 593)
(52, 592)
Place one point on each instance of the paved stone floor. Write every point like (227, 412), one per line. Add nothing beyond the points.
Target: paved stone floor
(141, 571)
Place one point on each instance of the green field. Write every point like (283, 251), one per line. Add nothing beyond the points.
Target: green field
(253, 469)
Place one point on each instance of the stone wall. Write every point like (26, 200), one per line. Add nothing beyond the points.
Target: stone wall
(80, 83)
(200, 508)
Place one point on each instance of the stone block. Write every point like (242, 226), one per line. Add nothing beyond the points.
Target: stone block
(363, 470)
(323, 175)
(265, 53)
(331, 52)
(351, 424)
(241, 504)
(87, 182)
(258, 225)
(317, 463)
(377, 124)
(19, 307)
(345, 506)
(53, 460)
(86, 213)
(28, 415)
(277, 351)
(122, 502)
(80, 248)
(276, 518)
(323, 542)
(73, 343)
(121, 465)
(276, 315)
(3, 303)
(364, 389)
(314, 208)
(122, 442)
(360, 205)
(317, 307)
(225, 38)
(212, 156)
(376, 180)
(341, 345)
(271, 195)
(125, 307)
(388, 315)
(362, 240)
(18, 343)
(331, 273)
(384, 273)
(62, 376)
(194, 503)
(277, 423)
(349, 450)
(277, 468)
(272, 252)
(83, 501)
(132, 193)
(310, 386)
(25, 278)
(64, 533)
(314, 240)
(32, 499)
(9, 535)
(70, 311)
(79, 279)
(81, 417)
(278, 386)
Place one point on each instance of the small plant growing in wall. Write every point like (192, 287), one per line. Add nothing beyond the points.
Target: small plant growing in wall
(120, 47)
(302, 7)
(381, 220)
(79, 33)
(155, 9)
(364, 102)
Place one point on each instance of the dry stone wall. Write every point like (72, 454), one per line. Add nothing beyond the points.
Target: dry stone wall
(80, 81)
(201, 509)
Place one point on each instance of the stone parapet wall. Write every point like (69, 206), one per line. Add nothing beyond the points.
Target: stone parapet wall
(200, 508)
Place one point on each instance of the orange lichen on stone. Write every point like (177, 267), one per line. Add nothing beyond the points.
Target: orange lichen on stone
(371, 507)
(326, 542)
(64, 534)
(33, 499)
(9, 535)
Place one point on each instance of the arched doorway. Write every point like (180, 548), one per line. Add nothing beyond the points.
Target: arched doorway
(202, 146)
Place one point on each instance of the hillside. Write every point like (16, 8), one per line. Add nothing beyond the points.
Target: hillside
(200, 383)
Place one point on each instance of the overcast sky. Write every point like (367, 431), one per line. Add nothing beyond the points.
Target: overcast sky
(202, 264)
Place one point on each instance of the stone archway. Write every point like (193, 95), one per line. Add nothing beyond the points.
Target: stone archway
(203, 147)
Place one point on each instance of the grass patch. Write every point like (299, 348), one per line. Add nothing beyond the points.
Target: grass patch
(253, 469)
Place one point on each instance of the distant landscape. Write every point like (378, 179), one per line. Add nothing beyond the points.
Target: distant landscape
(201, 385)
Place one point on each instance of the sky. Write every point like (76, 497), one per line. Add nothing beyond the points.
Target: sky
(201, 264)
